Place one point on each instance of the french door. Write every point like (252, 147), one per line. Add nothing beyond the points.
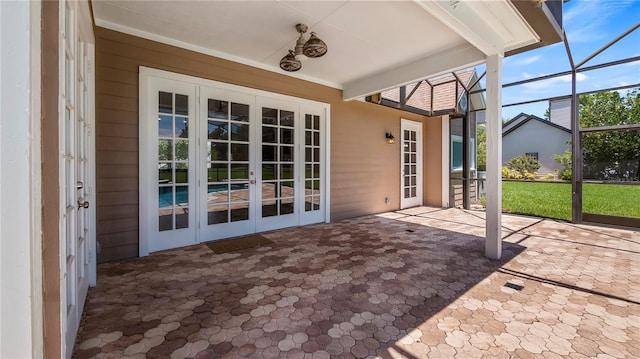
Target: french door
(248, 161)
(411, 162)
(227, 164)
(77, 242)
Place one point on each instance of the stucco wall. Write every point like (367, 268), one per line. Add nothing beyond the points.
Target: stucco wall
(364, 168)
(535, 136)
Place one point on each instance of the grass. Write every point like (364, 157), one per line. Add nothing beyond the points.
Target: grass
(553, 200)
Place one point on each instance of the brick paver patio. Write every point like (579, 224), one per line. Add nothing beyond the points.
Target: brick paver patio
(406, 284)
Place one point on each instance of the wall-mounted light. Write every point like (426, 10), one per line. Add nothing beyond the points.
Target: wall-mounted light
(389, 137)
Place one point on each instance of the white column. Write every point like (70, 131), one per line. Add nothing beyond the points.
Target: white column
(493, 186)
(20, 240)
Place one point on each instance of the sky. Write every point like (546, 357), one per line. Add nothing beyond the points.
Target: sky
(589, 25)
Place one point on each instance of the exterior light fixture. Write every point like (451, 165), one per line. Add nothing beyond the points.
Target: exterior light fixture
(389, 137)
(304, 49)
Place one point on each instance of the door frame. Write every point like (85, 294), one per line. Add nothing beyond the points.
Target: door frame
(145, 76)
(413, 126)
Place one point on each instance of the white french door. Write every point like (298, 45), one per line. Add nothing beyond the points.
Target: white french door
(227, 164)
(256, 161)
(77, 242)
(411, 162)
(278, 159)
(169, 166)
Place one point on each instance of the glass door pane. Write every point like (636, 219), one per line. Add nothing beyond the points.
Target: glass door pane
(277, 162)
(228, 166)
(410, 164)
(173, 161)
(312, 163)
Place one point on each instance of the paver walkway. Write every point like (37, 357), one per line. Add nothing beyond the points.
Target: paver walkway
(406, 284)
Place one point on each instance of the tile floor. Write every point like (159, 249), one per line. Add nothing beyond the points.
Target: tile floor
(406, 284)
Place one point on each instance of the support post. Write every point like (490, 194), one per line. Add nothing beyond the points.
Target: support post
(466, 188)
(493, 241)
(576, 151)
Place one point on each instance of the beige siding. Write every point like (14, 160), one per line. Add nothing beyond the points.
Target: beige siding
(50, 191)
(432, 171)
(364, 168)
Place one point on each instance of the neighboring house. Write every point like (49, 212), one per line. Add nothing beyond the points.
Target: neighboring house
(536, 137)
(129, 127)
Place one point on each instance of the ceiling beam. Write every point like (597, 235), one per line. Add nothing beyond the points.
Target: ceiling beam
(442, 62)
(463, 18)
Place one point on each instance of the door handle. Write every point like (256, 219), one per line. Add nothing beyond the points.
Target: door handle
(252, 181)
(83, 204)
(79, 185)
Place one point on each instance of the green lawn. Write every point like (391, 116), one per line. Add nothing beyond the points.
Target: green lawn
(553, 200)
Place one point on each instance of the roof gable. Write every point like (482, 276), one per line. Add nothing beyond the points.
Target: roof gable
(522, 119)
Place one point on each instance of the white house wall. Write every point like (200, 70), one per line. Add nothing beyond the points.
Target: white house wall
(535, 136)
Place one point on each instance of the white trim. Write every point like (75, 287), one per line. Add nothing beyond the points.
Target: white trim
(91, 170)
(492, 26)
(151, 72)
(61, 183)
(327, 173)
(210, 52)
(446, 164)
(463, 20)
(417, 127)
(144, 142)
(37, 303)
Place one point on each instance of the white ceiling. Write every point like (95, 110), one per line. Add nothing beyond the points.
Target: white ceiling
(373, 45)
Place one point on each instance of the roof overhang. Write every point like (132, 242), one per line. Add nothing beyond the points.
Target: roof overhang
(373, 45)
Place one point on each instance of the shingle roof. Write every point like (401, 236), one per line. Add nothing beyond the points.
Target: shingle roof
(444, 91)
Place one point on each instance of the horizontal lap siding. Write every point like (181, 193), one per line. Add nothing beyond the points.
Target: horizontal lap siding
(116, 155)
(364, 168)
(432, 170)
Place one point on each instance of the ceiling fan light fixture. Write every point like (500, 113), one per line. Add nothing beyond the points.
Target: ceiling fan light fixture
(304, 50)
(299, 49)
(290, 63)
(314, 47)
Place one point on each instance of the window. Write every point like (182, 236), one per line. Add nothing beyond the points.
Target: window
(533, 155)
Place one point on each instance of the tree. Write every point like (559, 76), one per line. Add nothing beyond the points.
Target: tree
(481, 150)
(565, 160)
(610, 154)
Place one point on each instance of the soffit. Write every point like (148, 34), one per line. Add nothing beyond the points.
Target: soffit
(373, 45)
